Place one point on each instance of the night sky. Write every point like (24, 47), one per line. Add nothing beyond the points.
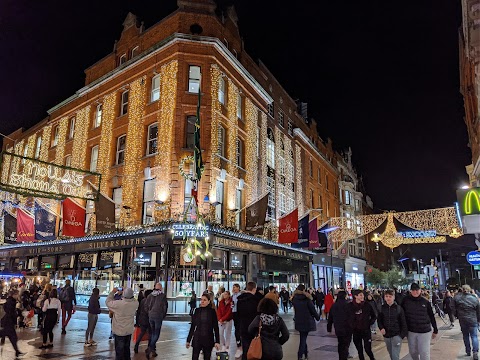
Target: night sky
(379, 76)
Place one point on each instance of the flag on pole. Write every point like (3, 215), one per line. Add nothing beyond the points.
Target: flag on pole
(313, 239)
(198, 153)
(25, 226)
(302, 233)
(288, 228)
(256, 214)
(73, 218)
(105, 214)
(45, 223)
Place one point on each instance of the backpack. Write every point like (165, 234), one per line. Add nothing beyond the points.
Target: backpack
(64, 298)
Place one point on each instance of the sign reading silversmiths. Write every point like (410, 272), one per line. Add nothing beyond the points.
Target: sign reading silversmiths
(32, 177)
(473, 257)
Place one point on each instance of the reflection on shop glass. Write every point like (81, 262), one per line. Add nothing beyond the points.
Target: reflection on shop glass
(110, 259)
(48, 262)
(143, 259)
(236, 260)
(86, 261)
(217, 261)
(65, 262)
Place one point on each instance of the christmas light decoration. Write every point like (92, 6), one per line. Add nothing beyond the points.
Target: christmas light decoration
(279, 153)
(298, 178)
(251, 159)
(46, 135)
(232, 103)
(106, 138)
(16, 160)
(442, 220)
(62, 138)
(263, 154)
(289, 174)
(216, 114)
(79, 148)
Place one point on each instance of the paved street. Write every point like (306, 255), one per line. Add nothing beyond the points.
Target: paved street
(322, 345)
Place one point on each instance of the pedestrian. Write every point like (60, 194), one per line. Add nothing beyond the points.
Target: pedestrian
(192, 303)
(420, 320)
(362, 316)
(247, 304)
(225, 316)
(123, 321)
(272, 294)
(52, 307)
(141, 293)
(392, 324)
(373, 303)
(157, 310)
(236, 321)
(117, 296)
(339, 318)
(204, 330)
(219, 294)
(93, 311)
(328, 302)
(320, 300)
(142, 320)
(274, 332)
(305, 316)
(69, 303)
(285, 297)
(467, 309)
(448, 307)
(209, 292)
(9, 320)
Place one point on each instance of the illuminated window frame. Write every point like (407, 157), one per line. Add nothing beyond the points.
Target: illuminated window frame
(94, 158)
(38, 147)
(155, 92)
(152, 139)
(98, 116)
(120, 150)
(124, 103)
(194, 77)
(71, 131)
(221, 91)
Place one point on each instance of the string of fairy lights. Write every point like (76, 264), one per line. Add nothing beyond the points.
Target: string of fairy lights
(106, 138)
(79, 148)
(251, 159)
(61, 140)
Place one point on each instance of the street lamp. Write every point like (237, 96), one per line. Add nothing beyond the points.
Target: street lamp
(459, 278)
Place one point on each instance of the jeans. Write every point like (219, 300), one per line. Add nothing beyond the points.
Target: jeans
(236, 324)
(343, 345)
(155, 327)
(363, 339)
(92, 322)
(302, 347)
(394, 345)
(285, 306)
(470, 332)
(225, 330)
(122, 347)
(419, 345)
(67, 310)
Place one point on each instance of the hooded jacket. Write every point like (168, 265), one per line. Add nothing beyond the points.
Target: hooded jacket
(274, 334)
(123, 314)
(467, 309)
(419, 315)
(305, 313)
(157, 305)
(339, 317)
(247, 310)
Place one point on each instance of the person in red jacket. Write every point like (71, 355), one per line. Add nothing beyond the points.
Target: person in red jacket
(328, 303)
(225, 316)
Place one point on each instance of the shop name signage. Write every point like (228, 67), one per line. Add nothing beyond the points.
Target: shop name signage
(38, 178)
(469, 201)
(116, 243)
(473, 258)
(143, 259)
(189, 230)
(418, 234)
(291, 255)
(39, 250)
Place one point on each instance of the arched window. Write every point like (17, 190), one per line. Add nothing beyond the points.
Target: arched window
(270, 148)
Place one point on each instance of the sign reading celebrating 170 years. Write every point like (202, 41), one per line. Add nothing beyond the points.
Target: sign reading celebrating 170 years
(32, 177)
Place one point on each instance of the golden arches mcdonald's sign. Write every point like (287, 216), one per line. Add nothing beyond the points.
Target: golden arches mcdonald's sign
(469, 201)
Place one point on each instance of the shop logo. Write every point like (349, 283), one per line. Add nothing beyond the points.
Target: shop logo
(288, 227)
(472, 200)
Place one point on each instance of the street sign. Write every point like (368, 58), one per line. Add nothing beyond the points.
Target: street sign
(473, 257)
(476, 267)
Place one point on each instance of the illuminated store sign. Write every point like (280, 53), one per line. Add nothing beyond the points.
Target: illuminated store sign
(469, 201)
(33, 177)
(189, 230)
(418, 234)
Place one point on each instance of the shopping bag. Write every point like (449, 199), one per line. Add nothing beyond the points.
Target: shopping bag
(136, 334)
(255, 349)
(222, 355)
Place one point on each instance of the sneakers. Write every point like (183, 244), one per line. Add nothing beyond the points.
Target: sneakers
(43, 347)
(87, 344)
(475, 356)
(19, 353)
(239, 352)
(93, 343)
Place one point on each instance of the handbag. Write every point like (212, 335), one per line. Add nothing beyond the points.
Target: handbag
(137, 332)
(255, 349)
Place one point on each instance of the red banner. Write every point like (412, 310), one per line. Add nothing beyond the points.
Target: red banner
(25, 226)
(73, 219)
(288, 228)
(313, 234)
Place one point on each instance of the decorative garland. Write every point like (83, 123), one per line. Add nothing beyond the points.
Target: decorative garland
(182, 171)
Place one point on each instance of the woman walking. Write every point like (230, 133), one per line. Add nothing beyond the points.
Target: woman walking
(274, 332)
(204, 329)
(192, 303)
(225, 316)
(52, 308)
(142, 320)
(328, 303)
(93, 311)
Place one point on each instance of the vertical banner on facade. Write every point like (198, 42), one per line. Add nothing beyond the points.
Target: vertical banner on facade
(25, 226)
(45, 224)
(105, 214)
(303, 241)
(73, 219)
(313, 240)
(9, 227)
(256, 214)
(288, 228)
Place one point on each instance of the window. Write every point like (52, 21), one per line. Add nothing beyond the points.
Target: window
(240, 152)
(239, 107)
(190, 132)
(326, 181)
(187, 197)
(221, 141)
(194, 76)
(219, 207)
(357, 205)
(123, 59)
(238, 207)
(152, 137)
(281, 119)
(351, 247)
(319, 178)
(270, 149)
(327, 208)
(221, 91)
(117, 199)
(55, 136)
(94, 158)
(155, 94)
(98, 116)
(38, 147)
(135, 52)
(312, 203)
(72, 128)
(25, 153)
(271, 110)
(68, 160)
(120, 156)
(320, 202)
(148, 201)
(124, 103)
(290, 127)
(361, 249)
(311, 167)
(282, 204)
(347, 197)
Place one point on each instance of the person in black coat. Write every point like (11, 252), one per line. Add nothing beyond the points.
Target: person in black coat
(9, 321)
(362, 316)
(305, 316)
(247, 304)
(338, 317)
(204, 329)
(142, 319)
(320, 299)
(274, 332)
(448, 307)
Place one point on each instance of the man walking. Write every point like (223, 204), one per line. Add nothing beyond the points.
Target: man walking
(124, 311)
(420, 320)
(339, 318)
(285, 297)
(319, 300)
(9, 321)
(467, 308)
(247, 311)
(236, 320)
(362, 316)
(392, 324)
(157, 310)
(69, 302)
(448, 307)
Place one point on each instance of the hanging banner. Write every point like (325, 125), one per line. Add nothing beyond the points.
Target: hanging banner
(73, 219)
(256, 214)
(25, 226)
(313, 239)
(105, 214)
(45, 224)
(288, 228)
(9, 227)
(303, 241)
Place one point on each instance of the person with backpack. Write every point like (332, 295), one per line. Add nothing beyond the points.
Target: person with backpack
(69, 303)
(52, 308)
(9, 320)
(392, 324)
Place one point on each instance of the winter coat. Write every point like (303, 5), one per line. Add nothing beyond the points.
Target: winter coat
(247, 311)
(204, 328)
(284, 295)
(362, 315)
(419, 315)
(273, 296)
(123, 314)
(328, 302)
(305, 313)
(224, 311)
(320, 297)
(142, 314)
(339, 317)
(274, 334)
(467, 309)
(94, 305)
(157, 305)
(448, 305)
(392, 319)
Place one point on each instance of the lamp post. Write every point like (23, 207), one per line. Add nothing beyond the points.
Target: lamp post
(459, 278)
